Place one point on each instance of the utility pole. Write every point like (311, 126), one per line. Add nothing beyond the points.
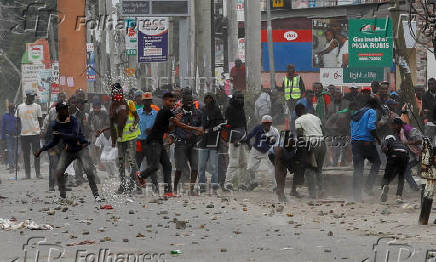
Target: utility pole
(252, 44)
(203, 42)
(272, 70)
(232, 31)
(403, 60)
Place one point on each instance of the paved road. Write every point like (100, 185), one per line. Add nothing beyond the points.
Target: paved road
(237, 227)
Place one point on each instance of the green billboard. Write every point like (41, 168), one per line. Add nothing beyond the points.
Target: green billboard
(370, 42)
(363, 75)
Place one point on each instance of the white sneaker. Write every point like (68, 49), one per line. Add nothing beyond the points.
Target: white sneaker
(98, 199)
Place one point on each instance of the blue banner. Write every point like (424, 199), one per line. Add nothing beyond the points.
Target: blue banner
(153, 40)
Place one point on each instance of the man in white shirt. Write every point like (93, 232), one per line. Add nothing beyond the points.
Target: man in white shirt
(310, 134)
(30, 118)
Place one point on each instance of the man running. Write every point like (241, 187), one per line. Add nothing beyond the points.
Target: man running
(68, 129)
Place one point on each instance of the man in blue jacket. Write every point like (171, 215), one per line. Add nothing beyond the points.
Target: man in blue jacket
(67, 128)
(9, 132)
(363, 138)
(265, 137)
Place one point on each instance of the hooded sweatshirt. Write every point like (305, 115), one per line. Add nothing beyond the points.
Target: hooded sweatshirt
(235, 116)
(210, 118)
(362, 123)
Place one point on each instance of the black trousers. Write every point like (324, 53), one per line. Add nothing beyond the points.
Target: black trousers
(396, 166)
(156, 153)
(65, 159)
(139, 156)
(30, 144)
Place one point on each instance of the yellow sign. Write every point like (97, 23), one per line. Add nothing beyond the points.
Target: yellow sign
(278, 3)
(130, 72)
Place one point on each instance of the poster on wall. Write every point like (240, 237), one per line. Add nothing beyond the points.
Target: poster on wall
(153, 40)
(30, 76)
(131, 37)
(44, 81)
(35, 53)
(329, 42)
(241, 49)
(240, 16)
(371, 42)
(90, 58)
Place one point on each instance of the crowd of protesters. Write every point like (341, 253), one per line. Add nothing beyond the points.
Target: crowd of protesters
(148, 135)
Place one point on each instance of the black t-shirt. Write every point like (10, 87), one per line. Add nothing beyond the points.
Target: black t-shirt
(161, 125)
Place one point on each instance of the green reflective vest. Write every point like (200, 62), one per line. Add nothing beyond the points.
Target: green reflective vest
(292, 88)
(127, 134)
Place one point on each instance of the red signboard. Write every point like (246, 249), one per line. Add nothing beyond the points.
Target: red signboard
(288, 36)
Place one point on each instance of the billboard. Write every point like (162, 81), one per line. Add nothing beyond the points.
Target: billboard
(291, 46)
(155, 8)
(371, 42)
(348, 76)
(329, 42)
(131, 37)
(153, 40)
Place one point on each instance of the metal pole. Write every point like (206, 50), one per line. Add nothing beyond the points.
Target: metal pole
(272, 71)
(183, 51)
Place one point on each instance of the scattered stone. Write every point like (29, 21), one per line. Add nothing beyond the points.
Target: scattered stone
(148, 226)
(195, 242)
(327, 250)
(386, 212)
(125, 240)
(180, 224)
(163, 212)
(51, 212)
(222, 250)
(85, 233)
(64, 209)
(131, 212)
(210, 206)
(139, 235)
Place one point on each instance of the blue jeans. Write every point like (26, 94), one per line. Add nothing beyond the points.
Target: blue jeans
(11, 142)
(205, 155)
(364, 150)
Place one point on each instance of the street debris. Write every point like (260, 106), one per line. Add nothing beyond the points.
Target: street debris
(7, 224)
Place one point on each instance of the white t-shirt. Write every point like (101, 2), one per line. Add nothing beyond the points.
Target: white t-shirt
(29, 115)
(109, 153)
(331, 59)
(311, 126)
(342, 51)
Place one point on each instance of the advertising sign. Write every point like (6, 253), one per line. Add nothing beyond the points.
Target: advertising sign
(90, 58)
(131, 37)
(240, 16)
(30, 76)
(55, 79)
(291, 46)
(44, 81)
(348, 76)
(329, 45)
(241, 49)
(131, 8)
(370, 42)
(363, 75)
(153, 40)
(35, 53)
